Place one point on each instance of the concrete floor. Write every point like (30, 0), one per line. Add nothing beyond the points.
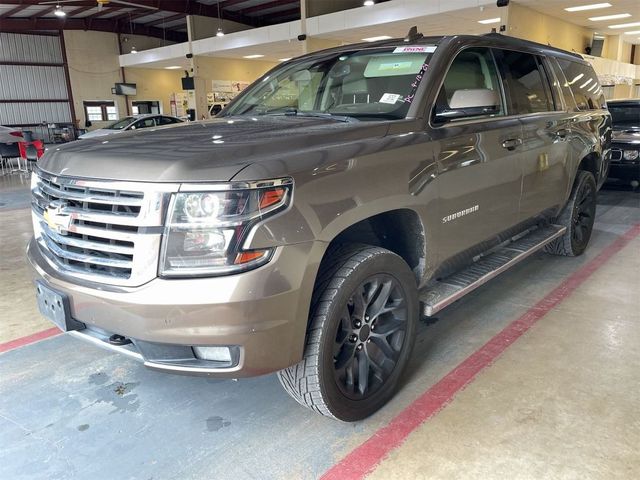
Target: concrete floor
(561, 402)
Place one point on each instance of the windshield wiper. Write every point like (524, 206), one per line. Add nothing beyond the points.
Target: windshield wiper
(294, 112)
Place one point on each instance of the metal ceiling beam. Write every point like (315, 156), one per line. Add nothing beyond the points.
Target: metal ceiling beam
(270, 17)
(77, 11)
(268, 6)
(189, 7)
(169, 19)
(97, 24)
(13, 11)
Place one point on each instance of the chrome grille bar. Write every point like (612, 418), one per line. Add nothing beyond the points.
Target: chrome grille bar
(102, 231)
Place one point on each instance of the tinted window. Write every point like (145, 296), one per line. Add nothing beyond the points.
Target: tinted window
(472, 69)
(167, 120)
(145, 123)
(564, 86)
(526, 83)
(625, 115)
(583, 81)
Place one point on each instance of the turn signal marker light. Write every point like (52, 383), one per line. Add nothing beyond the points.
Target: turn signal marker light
(246, 257)
(272, 196)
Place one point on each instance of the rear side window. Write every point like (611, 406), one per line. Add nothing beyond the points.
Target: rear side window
(526, 82)
(167, 120)
(584, 84)
(564, 85)
(472, 69)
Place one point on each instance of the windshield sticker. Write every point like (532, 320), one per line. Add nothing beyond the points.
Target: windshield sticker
(416, 49)
(416, 84)
(390, 98)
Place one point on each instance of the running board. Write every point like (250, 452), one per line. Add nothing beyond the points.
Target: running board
(486, 267)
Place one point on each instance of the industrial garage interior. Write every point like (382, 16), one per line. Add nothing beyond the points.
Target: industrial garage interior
(319, 239)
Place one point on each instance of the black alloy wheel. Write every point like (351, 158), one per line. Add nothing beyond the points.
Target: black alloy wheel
(370, 336)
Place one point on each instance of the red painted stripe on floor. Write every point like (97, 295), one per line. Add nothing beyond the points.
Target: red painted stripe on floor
(35, 337)
(367, 456)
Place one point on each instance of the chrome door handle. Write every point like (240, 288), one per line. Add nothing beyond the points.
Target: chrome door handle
(512, 143)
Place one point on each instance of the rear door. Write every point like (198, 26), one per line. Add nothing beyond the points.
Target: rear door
(544, 153)
(479, 173)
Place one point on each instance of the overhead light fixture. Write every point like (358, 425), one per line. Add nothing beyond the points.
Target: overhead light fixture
(610, 17)
(284, 59)
(594, 6)
(635, 32)
(220, 32)
(489, 21)
(173, 67)
(253, 56)
(59, 12)
(369, 3)
(626, 25)
(377, 39)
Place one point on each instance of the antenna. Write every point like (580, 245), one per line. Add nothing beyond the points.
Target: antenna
(413, 35)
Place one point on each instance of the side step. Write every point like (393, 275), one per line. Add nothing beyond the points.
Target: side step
(456, 286)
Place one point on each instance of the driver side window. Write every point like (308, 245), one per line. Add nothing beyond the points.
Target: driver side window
(472, 75)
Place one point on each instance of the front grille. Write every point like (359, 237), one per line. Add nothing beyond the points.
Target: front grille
(107, 232)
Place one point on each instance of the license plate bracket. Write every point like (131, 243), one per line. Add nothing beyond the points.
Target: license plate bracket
(54, 306)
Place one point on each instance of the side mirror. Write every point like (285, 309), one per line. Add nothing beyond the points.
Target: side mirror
(470, 103)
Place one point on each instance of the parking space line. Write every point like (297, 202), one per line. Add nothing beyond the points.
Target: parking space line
(34, 337)
(364, 458)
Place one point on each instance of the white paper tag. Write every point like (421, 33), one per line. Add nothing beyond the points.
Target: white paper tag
(390, 98)
(416, 49)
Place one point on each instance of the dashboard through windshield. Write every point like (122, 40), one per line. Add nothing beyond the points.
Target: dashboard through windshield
(370, 84)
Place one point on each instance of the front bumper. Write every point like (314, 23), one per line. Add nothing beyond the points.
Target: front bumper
(625, 170)
(262, 314)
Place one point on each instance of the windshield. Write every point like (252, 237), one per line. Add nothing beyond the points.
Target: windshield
(625, 116)
(120, 124)
(367, 85)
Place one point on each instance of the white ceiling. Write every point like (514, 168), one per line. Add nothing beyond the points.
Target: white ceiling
(556, 8)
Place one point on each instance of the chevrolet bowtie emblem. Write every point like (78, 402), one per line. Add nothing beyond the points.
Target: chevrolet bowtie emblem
(56, 219)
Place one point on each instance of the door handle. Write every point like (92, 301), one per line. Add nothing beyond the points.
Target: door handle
(512, 143)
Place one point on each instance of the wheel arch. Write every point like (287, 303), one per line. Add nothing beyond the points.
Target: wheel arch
(400, 230)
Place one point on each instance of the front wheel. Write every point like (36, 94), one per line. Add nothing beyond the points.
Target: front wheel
(362, 330)
(578, 216)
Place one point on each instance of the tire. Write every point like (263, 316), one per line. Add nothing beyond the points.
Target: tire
(578, 216)
(359, 288)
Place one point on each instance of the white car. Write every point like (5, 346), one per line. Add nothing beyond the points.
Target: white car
(9, 137)
(128, 124)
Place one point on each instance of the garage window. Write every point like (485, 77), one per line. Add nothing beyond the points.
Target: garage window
(100, 111)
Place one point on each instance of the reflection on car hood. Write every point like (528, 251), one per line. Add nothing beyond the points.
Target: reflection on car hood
(100, 132)
(214, 150)
(626, 135)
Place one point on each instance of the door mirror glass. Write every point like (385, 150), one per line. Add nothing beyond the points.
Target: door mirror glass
(470, 103)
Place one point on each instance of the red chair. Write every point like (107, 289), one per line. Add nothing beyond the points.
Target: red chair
(22, 146)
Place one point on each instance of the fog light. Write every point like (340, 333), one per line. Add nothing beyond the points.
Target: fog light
(215, 354)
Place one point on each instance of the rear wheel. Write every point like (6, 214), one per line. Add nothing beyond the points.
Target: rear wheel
(578, 216)
(362, 330)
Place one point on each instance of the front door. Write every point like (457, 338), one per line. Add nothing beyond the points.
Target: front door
(478, 171)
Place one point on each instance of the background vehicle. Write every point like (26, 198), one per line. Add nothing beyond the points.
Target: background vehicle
(132, 123)
(308, 226)
(9, 138)
(625, 148)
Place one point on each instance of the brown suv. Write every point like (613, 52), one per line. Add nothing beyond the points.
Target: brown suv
(307, 228)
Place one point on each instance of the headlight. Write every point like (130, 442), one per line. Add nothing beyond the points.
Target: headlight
(205, 230)
(631, 154)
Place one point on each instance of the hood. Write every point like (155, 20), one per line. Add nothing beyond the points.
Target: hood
(100, 132)
(626, 135)
(214, 150)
